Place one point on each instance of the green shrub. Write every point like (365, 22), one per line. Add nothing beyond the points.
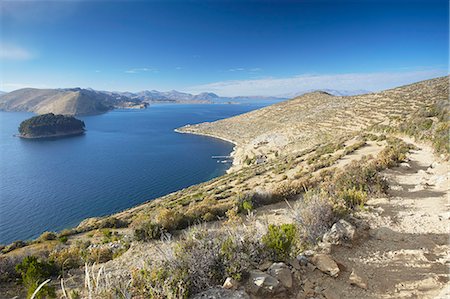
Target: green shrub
(279, 239)
(148, 231)
(63, 239)
(35, 271)
(353, 197)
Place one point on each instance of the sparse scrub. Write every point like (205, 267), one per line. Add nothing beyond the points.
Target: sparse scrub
(314, 215)
(201, 260)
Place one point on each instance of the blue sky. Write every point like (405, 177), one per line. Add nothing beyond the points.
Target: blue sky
(228, 47)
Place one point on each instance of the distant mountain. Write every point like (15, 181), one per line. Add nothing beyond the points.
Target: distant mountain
(173, 96)
(79, 101)
(71, 101)
(2, 92)
(335, 92)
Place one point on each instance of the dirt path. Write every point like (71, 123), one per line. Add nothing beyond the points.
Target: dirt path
(407, 252)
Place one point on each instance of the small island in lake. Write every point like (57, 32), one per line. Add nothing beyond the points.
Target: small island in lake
(50, 125)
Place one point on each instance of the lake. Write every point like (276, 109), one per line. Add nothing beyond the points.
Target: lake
(125, 158)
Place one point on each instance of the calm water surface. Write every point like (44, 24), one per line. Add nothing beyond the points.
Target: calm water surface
(125, 158)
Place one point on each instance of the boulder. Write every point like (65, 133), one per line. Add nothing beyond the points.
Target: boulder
(220, 293)
(230, 283)
(262, 283)
(281, 272)
(341, 232)
(358, 280)
(326, 264)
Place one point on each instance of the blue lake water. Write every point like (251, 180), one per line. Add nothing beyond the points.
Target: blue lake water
(125, 158)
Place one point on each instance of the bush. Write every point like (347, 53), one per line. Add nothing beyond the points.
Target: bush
(279, 239)
(63, 239)
(33, 272)
(353, 197)
(148, 231)
(201, 260)
(314, 216)
(14, 245)
(99, 255)
(8, 268)
(47, 236)
(171, 219)
(112, 222)
(67, 258)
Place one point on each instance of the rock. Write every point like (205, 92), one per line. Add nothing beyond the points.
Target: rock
(309, 253)
(324, 247)
(311, 267)
(281, 272)
(295, 264)
(302, 259)
(330, 294)
(405, 165)
(358, 280)
(230, 283)
(260, 283)
(326, 264)
(308, 289)
(434, 164)
(264, 266)
(341, 232)
(219, 293)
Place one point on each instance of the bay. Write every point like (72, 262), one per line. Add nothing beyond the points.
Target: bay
(125, 158)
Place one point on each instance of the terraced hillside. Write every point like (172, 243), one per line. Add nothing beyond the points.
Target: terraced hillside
(317, 117)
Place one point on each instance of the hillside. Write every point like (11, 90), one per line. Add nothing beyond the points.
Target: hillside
(338, 197)
(75, 101)
(316, 118)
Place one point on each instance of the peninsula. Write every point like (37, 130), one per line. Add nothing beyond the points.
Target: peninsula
(50, 125)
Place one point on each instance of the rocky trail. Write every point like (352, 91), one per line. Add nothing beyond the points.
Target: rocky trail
(405, 250)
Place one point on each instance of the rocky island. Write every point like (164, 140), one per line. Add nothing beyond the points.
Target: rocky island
(50, 125)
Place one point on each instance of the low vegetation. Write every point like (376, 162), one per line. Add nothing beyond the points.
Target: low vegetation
(50, 124)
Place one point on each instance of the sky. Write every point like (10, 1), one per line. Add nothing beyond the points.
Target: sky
(231, 48)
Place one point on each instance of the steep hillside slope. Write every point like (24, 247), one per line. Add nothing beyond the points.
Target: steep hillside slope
(75, 101)
(316, 118)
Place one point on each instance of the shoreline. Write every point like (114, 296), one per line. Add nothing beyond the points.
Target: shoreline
(51, 136)
(233, 152)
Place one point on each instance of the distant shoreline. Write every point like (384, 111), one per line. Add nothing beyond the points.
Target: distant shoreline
(74, 133)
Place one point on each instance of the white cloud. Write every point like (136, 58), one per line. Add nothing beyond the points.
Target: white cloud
(141, 70)
(283, 86)
(237, 69)
(13, 52)
(241, 69)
